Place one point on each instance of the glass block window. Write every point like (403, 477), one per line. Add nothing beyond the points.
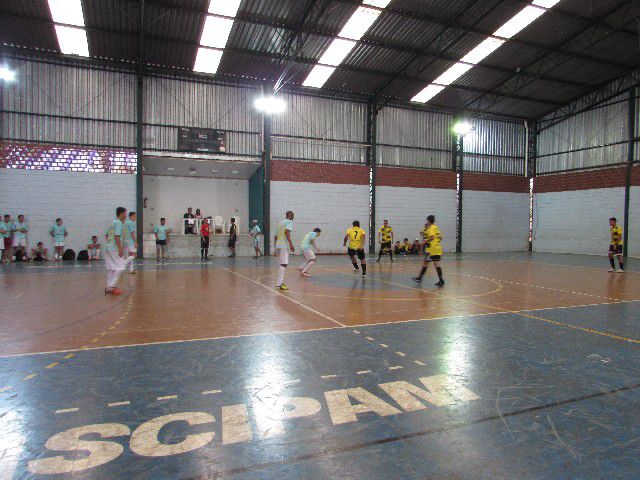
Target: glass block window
(67, 158)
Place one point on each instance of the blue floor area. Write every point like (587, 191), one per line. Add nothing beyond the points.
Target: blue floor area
(503, 396)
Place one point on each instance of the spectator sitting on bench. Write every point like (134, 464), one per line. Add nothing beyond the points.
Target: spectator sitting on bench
(416, 247)
(39, 253)
(397, 248)
(93, 249)
(405, 247)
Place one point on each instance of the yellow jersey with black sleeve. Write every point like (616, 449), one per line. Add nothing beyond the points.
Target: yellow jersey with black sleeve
(385, 234)
(356, 238)
(423, 232)
(616, 235)
(434, 245)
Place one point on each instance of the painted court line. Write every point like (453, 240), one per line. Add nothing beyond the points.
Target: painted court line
(287, 297)
(118, 404)
(328, 376)
(318, 329)
(211, 392)
(363, 372)
(67, 410)
(167, 397)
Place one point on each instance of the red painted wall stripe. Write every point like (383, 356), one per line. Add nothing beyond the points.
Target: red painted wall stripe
(318, 172)
(486, 182)
(587, 180)
(414, 178)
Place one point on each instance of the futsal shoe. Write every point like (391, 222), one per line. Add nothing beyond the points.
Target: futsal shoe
(611, 270)
(356, 269)
(440, 284)
(417, 279)
(620, 270)
(305, 274)
(283, 287)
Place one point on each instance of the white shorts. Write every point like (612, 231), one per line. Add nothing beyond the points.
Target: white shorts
(256, 241)
(308, 255)
(20, 242)
(132, 250)
(282, 254)
(113, 261)
(58, 244)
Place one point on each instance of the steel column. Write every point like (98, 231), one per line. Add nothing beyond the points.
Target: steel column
(139, 136)
(630, 155)
(266, 164)
(458, 160)
(372, 138)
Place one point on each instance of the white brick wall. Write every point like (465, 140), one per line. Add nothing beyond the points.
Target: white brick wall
(85, 201)
(407, 209)
(634, 223)
(495, 221)
(327, 206)
(170, 197)
(577, 221)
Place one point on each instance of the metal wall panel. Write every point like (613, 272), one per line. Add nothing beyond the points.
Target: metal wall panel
(36, 129)
(181, 103)
(589, 139)
(322, 118)
(71, 91)
(495, 147)
(298, 149)
(414, 138)
(414, 128)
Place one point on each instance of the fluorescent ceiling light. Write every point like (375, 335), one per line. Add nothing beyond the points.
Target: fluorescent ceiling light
(318, 76)
(207, 60)
(512, 27)
(228, 8)
(68, 12)
(216, 32)
(7, 75)
(355, 28)
(72, 40)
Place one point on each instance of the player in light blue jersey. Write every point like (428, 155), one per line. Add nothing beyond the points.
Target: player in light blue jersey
(254, 233)
(282, 241)
(307, 247)
(116, 257)
(59, 233)
(130, 239)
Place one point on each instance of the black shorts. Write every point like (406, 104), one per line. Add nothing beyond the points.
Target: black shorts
(359, 253)
(232, 242)
(161, 242)
(385, 245)
(432, 258)
(615, 249)
(204, 242)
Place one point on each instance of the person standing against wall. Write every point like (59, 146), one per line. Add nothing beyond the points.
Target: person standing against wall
(233, 237)
(204, 240)
(59, 233)
(20, 237)
(255, 233)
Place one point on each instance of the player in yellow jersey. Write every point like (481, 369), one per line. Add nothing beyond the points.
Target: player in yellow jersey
(385, 236)
(282, 241)
(616, 245)
(432, 250)
(356, 237)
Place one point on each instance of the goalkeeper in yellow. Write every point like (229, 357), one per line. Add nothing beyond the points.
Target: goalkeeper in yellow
(385, 235)
(432, 250)
(615, 248)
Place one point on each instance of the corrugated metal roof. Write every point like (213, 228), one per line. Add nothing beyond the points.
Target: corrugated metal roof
(571, 50)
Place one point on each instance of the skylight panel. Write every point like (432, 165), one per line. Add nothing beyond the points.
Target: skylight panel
(207, 60)
(318, 76)
(215, 34)
(68, 12)
(358, 24)
(68, 22)
(512, 27)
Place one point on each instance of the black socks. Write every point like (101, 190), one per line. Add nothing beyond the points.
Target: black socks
(364, 268)
(439, 270)
(613, 264)
(355, 265)
(422, 272)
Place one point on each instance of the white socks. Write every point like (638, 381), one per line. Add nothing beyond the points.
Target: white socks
(281, 272)
(308, 266)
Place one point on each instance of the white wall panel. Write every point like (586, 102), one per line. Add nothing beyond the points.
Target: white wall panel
(85, 201)
(170, 197)
(576, 221)
(495, 221)
(407, 209)
(331, 207)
